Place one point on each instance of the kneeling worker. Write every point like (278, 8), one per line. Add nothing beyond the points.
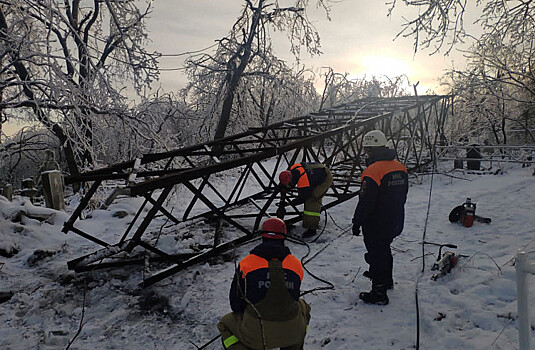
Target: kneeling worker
(312, 181)
(264, 297)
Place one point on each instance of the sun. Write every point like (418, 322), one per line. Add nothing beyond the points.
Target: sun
(379, 65)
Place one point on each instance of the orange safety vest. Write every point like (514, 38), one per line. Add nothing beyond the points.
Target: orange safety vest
(379, 169)
(303, 181)
(254, 262)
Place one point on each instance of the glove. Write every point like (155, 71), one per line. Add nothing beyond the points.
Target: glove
(356, 230)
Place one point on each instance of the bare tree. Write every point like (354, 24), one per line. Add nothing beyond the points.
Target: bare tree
(68, 62)
(497, 86)
(281, 93)
(21, 154)
(438, 23)
(249, 41)
(491, 109)
(338, 88)
(158, 123)
(269, 92)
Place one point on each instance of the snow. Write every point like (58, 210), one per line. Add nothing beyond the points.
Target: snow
(473, 307)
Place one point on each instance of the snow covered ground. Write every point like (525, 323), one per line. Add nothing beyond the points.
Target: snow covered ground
(473, 307)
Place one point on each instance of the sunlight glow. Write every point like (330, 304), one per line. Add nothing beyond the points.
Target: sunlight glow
(378, 65)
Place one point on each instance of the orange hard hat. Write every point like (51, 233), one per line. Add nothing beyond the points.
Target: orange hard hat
(273, 228)
(285, 177)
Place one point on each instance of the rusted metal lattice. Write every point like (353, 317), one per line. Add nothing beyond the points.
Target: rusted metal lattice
(414, 126)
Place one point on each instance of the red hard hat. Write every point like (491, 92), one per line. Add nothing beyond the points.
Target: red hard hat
(285, 177)
(273, 228)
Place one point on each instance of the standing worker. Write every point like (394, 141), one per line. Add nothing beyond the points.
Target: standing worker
(264, 296)
(312, 181)
(380, 212)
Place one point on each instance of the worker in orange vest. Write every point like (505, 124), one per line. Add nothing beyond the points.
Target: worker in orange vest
(264, 296)
(312, 181)
(380, 212)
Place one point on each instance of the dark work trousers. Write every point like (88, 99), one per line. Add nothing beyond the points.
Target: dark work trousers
(379, 255)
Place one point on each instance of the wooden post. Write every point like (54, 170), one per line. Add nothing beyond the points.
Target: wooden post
(523, 267)
(6, 190)
(53, 189)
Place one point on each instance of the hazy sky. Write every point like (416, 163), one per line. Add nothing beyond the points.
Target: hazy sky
(358, 40)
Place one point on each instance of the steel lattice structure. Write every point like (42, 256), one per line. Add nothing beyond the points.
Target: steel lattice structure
(414, 125)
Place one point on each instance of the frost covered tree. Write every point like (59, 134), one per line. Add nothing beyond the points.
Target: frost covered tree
(246, 53)
(279, 94)
(21, 155)
(270, 91)
(65, 65)
(339, 88)
(496, 89)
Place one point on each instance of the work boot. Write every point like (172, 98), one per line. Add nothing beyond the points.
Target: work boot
(376, 296)
(389, 284)
(309, 233)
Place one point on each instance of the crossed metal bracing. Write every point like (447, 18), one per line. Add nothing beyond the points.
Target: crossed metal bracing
(192, 176)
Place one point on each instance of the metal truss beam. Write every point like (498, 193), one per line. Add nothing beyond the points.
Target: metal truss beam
(414, 126)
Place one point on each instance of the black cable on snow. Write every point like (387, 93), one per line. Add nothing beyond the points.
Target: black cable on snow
(417, 319)
(323, 230)
(206, 344)
(427, 220)
(330, 285)
(423, 260)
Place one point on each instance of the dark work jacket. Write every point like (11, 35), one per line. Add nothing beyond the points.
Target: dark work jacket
(252, 277)
(314, 174)
(383, 194)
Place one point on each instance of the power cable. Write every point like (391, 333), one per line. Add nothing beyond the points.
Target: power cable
(423, 260)
(189, 52)
(305, 261)
(323, 230)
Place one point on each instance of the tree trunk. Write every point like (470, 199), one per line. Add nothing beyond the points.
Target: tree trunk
(503, 132)
(24, 76)
(235, 75)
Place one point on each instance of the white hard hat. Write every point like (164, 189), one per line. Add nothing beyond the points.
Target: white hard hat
(374, 138)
